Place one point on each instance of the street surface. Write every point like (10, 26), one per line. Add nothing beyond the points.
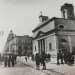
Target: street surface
(19, 70)
(26, 69)
(29, 68)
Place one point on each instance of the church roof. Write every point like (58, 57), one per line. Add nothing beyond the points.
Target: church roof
(48, 21)
(43, 24)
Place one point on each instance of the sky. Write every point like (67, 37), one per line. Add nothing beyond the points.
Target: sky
(21, 16)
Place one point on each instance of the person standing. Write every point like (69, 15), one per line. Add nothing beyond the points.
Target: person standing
(9, 60)
(26, 58)
(37, 59)
(5, 60)
(60, 57)
(13, 60)
(43, 58)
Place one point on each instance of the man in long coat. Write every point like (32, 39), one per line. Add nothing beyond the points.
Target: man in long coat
(37, 59)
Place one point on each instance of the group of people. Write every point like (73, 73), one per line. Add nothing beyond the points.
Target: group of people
(64, 56)
(9, 60)
(40, 60)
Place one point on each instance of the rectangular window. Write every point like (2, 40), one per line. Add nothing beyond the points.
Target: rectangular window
(50, 46)
(35, 48)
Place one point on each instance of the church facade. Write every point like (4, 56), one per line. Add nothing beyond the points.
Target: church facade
(55, 34)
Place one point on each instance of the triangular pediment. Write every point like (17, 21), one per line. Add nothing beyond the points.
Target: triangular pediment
(40, 33)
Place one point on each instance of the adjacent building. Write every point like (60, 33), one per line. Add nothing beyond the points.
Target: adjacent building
(19, 45)
(53, 34)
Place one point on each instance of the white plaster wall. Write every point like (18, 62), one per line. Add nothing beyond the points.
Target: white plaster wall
(35, 43)
(51, 39)
(48, 39)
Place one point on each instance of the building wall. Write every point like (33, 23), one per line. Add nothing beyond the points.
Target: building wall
(67, 23)
(25, 43)
(69, 37)
(51, 39)
(68, 32)
(35, 46)
(12, 46)
(48, 39)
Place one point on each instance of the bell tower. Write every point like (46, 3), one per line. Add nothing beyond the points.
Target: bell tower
(42, 18)
(67, 11)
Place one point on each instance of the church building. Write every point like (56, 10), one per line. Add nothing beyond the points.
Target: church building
(53, 34)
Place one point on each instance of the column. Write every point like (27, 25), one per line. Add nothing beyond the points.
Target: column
(70, 45)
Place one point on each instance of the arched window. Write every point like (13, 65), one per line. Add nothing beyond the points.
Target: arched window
(60, 27)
